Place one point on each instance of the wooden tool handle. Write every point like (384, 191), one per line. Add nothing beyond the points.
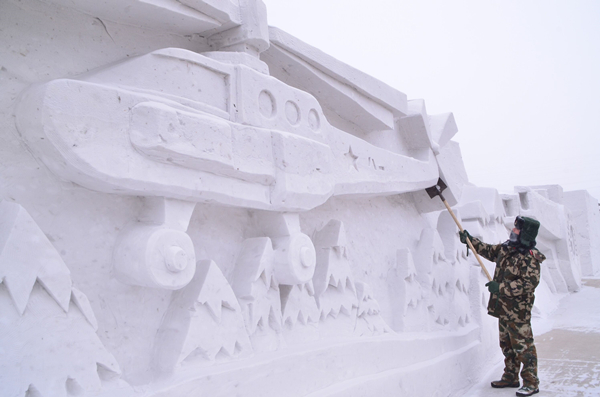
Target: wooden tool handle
(468, 240)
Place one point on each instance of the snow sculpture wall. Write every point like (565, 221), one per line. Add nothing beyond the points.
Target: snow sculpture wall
(586, 219)
(556, 236)
(192, 202)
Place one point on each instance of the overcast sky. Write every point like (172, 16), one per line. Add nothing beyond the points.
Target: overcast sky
(522, 77)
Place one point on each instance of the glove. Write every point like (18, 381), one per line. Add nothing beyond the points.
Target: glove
(463, 236)
(493, 287)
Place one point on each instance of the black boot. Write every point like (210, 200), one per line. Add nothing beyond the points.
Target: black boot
(502, 383)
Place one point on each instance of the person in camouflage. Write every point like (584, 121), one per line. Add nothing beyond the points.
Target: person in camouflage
(516, 276)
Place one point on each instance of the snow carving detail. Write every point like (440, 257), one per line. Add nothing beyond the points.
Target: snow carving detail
(334, 286)
(203, 323)
(157, 252)
(411, 302)
(145, 140)
(442, 288)
(346, 308)
(369, 321)
(294, 254)
(256, 288)
(27, 256)
(447, 292)
(300, 312)
(43, 317)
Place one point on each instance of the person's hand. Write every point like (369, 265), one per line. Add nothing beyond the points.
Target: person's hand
(493, 287)
(463, 236)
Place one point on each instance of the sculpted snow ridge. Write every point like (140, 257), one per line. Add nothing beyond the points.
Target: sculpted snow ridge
(182, 16)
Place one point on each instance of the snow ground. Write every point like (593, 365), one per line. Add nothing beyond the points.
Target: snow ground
(568, 345)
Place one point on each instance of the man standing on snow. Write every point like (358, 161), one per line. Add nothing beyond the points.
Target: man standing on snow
(516, 276)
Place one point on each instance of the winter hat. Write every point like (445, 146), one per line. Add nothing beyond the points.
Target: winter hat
(529, 228)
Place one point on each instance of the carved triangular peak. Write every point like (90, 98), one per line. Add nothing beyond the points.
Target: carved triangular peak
(214, 326)
(26, 255)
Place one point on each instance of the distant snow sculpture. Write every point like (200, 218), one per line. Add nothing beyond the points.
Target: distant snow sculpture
(556, 239)
(586, 222)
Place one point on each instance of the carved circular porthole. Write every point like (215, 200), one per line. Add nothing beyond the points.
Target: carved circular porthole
(266, 104)
(292, 112)
(314, 122)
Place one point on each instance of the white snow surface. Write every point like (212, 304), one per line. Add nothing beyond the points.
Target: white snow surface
(579, 311)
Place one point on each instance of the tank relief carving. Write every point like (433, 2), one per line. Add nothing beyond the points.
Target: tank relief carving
(156, 251)
(231, 135)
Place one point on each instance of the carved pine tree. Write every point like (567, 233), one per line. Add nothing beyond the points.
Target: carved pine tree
(333, 282)
(47, 328)
(204, 323)
(257, 291)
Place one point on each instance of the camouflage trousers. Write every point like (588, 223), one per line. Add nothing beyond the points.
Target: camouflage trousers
(516, 342)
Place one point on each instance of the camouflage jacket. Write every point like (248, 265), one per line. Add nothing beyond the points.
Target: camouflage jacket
(517, 274)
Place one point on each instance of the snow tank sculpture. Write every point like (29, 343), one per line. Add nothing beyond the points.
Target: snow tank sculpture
(194, 202)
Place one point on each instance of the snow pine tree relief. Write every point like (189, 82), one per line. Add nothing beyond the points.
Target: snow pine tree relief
(369, 321)
(434, 276)
(459, 272)
(450, 278)
(300, 312)
(442, 287)
(292, 258)
(204, 323)
(334, 287)
(257, 290)
(411, 302)
(342, 313)
(43, 317)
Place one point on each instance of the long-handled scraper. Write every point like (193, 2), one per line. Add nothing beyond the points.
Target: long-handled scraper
(437, 191)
